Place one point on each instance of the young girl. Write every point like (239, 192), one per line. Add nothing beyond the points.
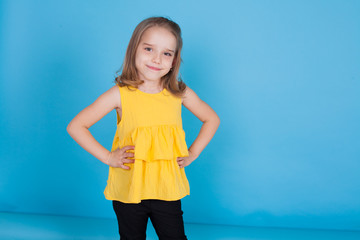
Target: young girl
(146, 164)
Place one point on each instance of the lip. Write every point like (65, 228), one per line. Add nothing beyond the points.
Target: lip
(153, 68)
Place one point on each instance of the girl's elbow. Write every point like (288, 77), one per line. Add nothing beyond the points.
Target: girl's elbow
(217, 120)
(69, 128)
(74, 127)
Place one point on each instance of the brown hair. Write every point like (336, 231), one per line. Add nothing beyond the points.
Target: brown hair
(170, 81)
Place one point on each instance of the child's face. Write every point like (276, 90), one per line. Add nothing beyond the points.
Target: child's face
(155, 54)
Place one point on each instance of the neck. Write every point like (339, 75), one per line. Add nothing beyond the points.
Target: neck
(150, 87)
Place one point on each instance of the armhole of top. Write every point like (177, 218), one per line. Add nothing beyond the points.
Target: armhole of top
(118, 118)
(122, 108)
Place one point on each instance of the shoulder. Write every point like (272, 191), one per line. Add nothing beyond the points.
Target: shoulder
(189, 96)
(113, 95)
(198, 107)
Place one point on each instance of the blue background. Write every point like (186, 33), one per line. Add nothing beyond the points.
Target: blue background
(284, 77)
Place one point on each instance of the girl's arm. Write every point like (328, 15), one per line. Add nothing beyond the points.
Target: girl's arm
(78, 128)
(211, 122)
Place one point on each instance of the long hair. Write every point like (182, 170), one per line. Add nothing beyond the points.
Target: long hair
(171, 81)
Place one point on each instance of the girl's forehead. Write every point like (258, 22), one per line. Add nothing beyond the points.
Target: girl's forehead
(159, 36)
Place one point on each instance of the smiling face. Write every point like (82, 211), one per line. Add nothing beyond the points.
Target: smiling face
(155, 54)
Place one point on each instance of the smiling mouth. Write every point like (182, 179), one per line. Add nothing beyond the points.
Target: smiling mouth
(153, 68)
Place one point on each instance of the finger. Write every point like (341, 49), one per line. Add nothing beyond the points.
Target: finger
(128, 154)
(128, 147)
(125, 167)
(126, 160)
(117, 164)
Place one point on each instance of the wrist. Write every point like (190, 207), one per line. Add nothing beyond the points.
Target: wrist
(107, 161)
(192, 154)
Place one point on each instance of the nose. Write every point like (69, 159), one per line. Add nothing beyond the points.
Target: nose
(156, 58)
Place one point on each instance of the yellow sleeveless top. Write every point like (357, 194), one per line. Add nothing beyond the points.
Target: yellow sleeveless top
(153, 124)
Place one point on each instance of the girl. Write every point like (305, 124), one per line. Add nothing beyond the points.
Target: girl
(146, 164)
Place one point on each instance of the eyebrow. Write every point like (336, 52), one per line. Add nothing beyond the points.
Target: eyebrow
(153, 45)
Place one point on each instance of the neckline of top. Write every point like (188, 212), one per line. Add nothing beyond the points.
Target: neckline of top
(150, 93)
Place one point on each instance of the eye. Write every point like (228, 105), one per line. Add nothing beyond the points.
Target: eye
(168, 54)
(148, 49)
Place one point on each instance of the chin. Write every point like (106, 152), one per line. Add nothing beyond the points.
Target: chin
(154, 77)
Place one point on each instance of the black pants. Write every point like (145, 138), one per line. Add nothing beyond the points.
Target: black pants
(166, 217)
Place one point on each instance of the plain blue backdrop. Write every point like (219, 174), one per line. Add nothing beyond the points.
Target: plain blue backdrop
(284, 77)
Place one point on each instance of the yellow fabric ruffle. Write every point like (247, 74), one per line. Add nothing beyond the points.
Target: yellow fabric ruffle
(161, 179)
(162, 142)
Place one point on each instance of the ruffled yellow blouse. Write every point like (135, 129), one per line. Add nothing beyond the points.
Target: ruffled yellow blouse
(152, 123)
